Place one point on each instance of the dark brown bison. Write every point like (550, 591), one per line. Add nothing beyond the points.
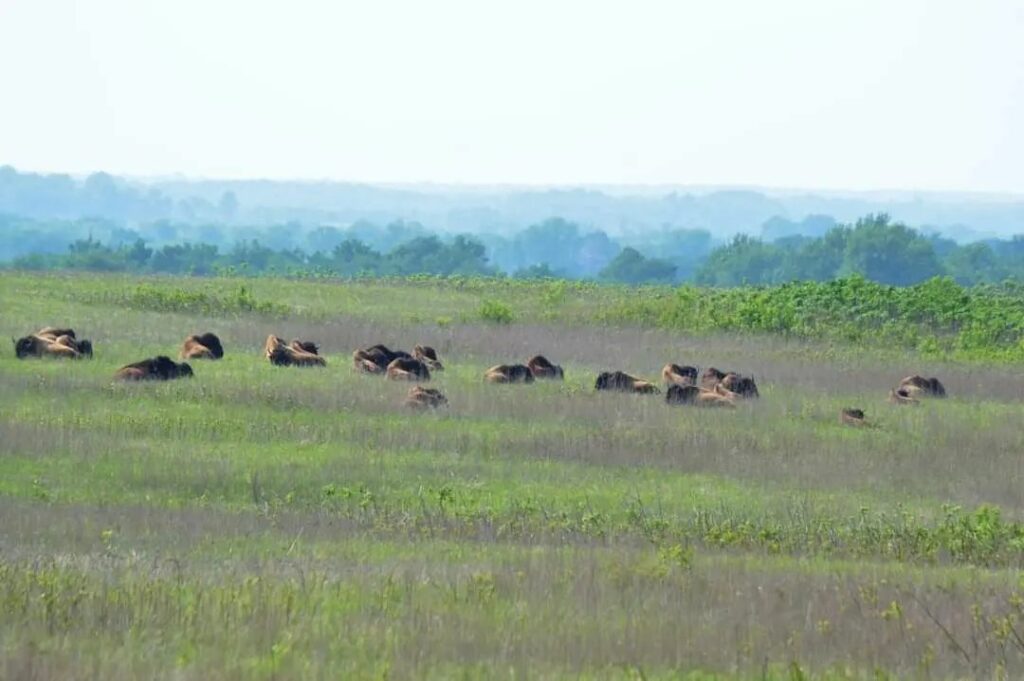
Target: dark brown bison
(202, 346)
(509, 373)
(674, 374)
(540, 367)
(428, 356)
(160, 368)
(902, 397)
(623, 382)
(711, 377)
(408, 369)
(696, 396)
(376, 358)
(919, 386)
(421, 398)
(743, 386)
(852, 417)
(280, 354)
(62, 346)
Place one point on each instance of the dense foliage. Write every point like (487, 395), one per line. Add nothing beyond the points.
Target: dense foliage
(873, 247)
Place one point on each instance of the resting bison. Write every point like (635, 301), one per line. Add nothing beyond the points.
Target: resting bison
(202, 346)
(53, 333)
(376, 358)
(428, 356)
(673, 374)
(408, 369)
(743, 386)
(623, 382)
(711, 377)
(283, 355)
(693, 395)
(421, 398)
(540, 367)
(509, 373)
(918, 386)
(161, 368)
(49, 345)
(902, 397)
(852, 417)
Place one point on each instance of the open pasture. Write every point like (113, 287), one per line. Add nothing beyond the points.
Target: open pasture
(275, 522)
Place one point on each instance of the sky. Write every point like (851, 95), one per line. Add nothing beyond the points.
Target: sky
(827, 94)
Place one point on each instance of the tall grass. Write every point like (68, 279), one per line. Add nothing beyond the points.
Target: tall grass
(266, 522)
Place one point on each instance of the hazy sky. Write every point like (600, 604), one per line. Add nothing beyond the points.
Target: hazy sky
(925, 94)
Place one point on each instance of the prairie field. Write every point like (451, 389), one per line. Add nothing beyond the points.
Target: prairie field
(263, 522)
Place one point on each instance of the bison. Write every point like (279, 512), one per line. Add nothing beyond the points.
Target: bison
(852, 417)
(902, 397)
(280, 354)
(202, 346)
(540, 367)
(743, 386)
(421, 398)
(509, 373)
(160, 368)
(53, 332)
(696, 396)
(427, 355)
(918, 386)
(376, 358)
(673, 374)
(408, 369)
(62, 346)
(711, 377)
(623, 382)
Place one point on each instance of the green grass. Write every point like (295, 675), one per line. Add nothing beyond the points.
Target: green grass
(265, 522)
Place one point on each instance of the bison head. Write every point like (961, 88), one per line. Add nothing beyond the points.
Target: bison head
(25, 347)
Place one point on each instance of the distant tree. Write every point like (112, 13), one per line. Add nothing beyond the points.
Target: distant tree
(631, 267)
(974, 264)
(744, 260)
(889, 253)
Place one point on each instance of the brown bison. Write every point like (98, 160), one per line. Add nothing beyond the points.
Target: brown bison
(47, 344)
(673, 374)
(540, 367)
(918, 386)
(283, 355)
(160, 368)
(623, 382)
(427, 355)
(902, 397)
(509, 373)
(711, 377)
(852, 417)
(696, 396)
(53, 333)
(376, 358)
(408, 369)
(421, 398)
(743, 386)
(202, 346)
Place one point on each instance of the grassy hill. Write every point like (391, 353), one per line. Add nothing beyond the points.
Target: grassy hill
(266, 522)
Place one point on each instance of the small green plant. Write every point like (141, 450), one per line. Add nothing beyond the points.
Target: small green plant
(496, 312)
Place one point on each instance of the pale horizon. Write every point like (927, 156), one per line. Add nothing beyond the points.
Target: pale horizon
(796, 96)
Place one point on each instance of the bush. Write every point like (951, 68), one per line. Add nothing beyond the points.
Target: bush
(496, 312)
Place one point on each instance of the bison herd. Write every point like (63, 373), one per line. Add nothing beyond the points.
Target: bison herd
(685, 385)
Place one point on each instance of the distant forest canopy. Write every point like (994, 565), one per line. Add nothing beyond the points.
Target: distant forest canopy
(104, 223)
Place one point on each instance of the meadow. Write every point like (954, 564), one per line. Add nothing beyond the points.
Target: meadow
(261, 522)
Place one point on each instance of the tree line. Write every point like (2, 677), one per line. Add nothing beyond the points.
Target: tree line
(873, 247)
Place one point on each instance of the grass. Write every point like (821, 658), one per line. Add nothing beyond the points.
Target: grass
(265, 522)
